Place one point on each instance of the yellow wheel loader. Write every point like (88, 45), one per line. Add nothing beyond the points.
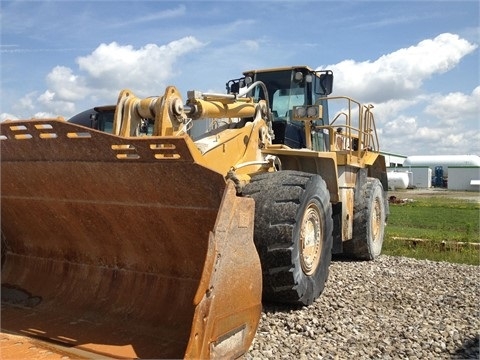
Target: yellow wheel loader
(123, 245)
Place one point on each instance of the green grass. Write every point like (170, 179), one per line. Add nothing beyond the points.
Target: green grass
(437, 220)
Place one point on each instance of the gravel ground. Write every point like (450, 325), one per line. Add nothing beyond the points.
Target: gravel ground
(390, 308)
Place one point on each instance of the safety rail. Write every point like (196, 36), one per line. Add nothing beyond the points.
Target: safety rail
(353, 129)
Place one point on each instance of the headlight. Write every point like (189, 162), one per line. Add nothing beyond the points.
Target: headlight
(312, 111)
(300, 112)
(306, 113)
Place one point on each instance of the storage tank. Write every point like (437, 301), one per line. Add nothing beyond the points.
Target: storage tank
(442, 160)
(398, 180)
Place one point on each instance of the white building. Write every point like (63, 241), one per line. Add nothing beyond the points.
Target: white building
(445, 161)
(459, 172)
(421, 177)
(464, 178)
(393, 160)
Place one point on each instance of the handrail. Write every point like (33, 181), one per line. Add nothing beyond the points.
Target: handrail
(359, 133)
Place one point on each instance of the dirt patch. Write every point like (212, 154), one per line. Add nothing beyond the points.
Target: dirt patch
(435, 192)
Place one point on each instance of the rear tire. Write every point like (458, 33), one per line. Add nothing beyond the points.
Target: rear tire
(369, 220)
(293, 234)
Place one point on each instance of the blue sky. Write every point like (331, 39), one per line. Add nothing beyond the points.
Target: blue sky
(416, 61)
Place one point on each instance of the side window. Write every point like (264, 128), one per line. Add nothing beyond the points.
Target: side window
(280, 104)
(106, 121)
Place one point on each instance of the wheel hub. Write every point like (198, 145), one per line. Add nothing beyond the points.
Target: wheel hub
(311, 236)
(376, 220)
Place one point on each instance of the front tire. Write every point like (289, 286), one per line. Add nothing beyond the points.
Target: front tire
(293, 234)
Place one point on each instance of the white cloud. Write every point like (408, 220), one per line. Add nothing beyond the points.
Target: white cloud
(251, 45)
(45, 115)
(155, 16)
(410, 121)
(103, 73)
(7, 116)
(66, 85)
(54, 105)
(455, 107)
(401, 126)
(400, 74)
(25, 106)
(145, 70)
(391, 109)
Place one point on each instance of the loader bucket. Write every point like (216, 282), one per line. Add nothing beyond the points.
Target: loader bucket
(123, 247)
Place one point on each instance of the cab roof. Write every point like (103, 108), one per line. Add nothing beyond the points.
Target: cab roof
(256, 71)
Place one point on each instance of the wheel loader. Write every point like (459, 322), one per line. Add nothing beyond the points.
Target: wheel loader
(124, 244)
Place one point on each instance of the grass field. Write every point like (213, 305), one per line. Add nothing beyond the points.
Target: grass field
(430, 224)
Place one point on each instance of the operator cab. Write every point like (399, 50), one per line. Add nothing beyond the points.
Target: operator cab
(101, 118)
(287, 88)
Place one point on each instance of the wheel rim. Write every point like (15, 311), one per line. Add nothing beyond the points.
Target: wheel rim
(311, 236)
(376, 224)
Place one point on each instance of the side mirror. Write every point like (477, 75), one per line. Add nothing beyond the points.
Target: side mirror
(234, 86)
(324, 82)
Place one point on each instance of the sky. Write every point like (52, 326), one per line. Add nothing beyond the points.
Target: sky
(417, 62)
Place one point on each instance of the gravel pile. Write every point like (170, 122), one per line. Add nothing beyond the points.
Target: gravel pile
(390, 308)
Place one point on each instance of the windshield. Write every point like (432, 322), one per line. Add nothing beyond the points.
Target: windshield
(284, 92)
(283, 101)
